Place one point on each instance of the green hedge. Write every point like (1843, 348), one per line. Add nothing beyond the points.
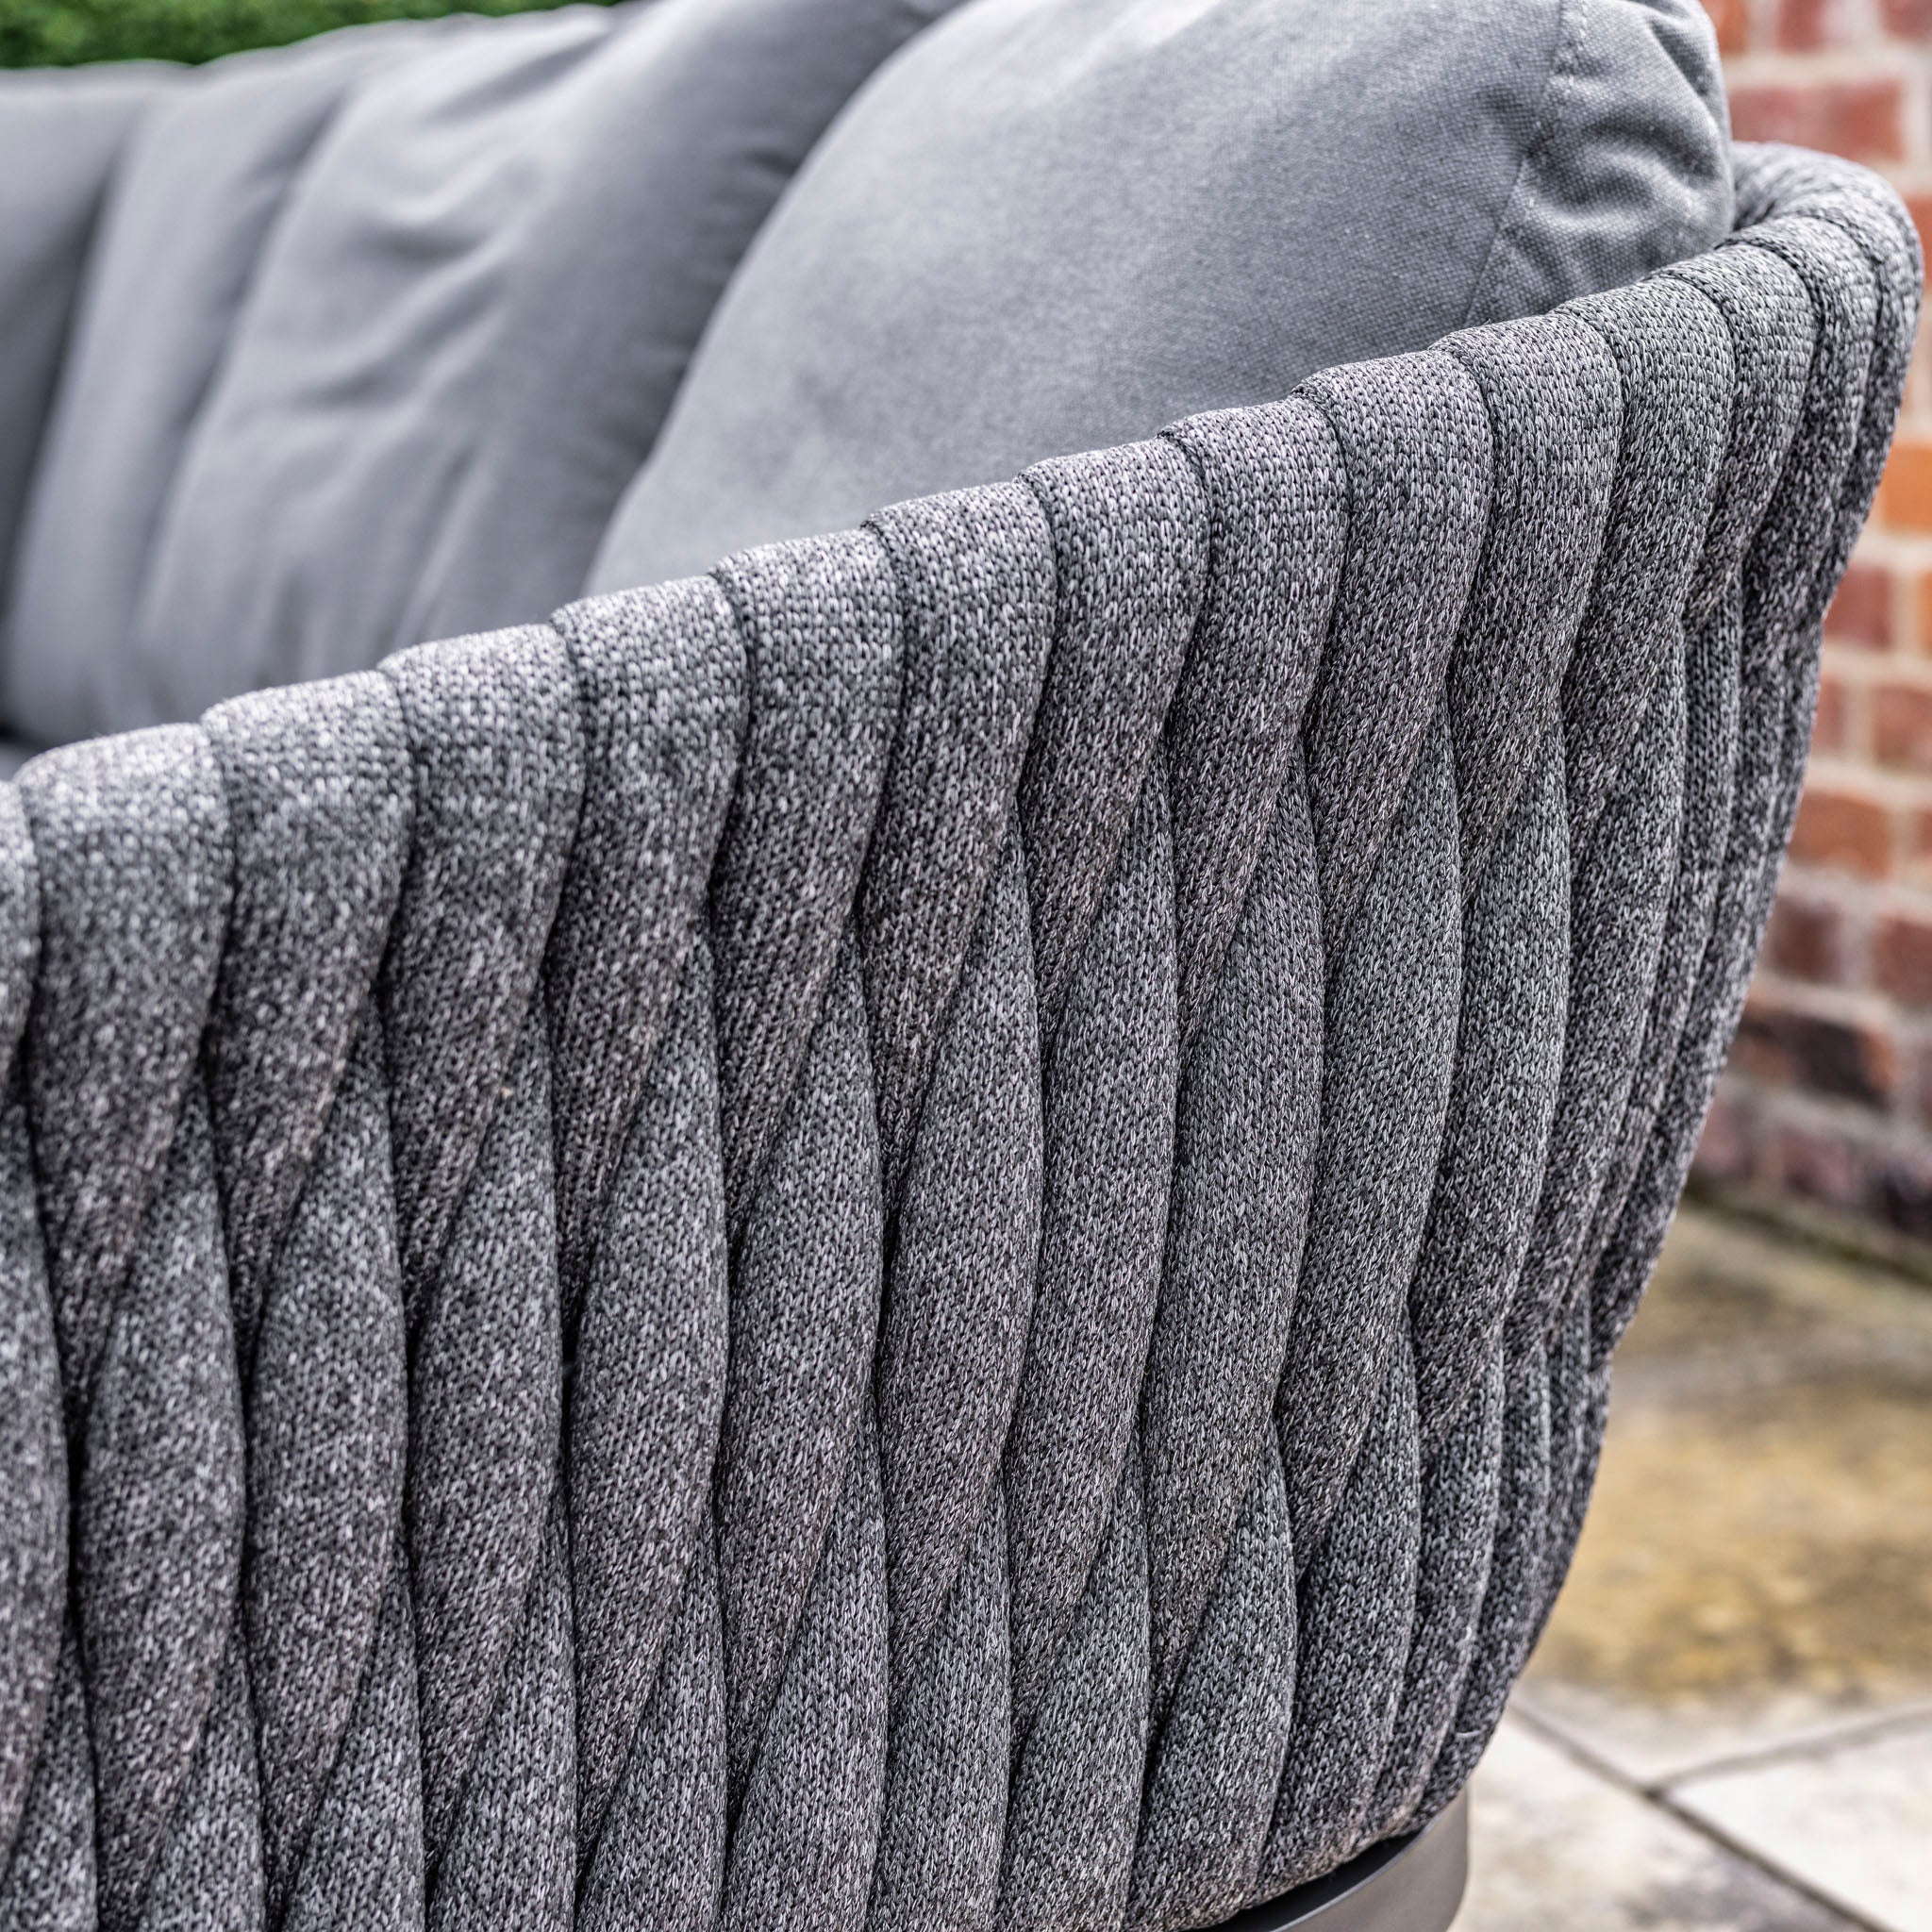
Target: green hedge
(62, 33)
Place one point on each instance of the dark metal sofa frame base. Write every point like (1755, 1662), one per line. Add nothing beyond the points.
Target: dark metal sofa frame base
(1408, 1885)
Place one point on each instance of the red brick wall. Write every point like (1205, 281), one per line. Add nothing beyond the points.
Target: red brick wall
(1829, 1090)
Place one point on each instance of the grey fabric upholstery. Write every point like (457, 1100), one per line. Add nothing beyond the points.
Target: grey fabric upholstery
(1105, 214)
(407, 307)
(60, 132)
(195, 195)
(929, 1231)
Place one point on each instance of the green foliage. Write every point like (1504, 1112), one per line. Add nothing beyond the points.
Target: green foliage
(63, 33)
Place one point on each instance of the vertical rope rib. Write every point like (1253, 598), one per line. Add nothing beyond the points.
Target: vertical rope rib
(1675, 355)
(1415, 440)
(1552, 466)
(1772, 329)
(1094, 820)
(1221, 1571)
(801, 1538)
(951, 1004)
(33, 1450)
(1553, 470)
(132, 847)
(497, 753)
(658, 1856)
(318, 799)
(1625, 751)
(660, 676)
(1382, 783)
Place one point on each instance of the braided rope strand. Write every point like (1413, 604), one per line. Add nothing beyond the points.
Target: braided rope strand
(495, 742)
(1248, 947)
(628, 1002)
(799, 1513)
(950, 1006)
(33, 1451)
(318, 804)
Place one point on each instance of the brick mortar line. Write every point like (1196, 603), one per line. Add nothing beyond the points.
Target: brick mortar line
(1878, 784)
(1823, 889)
(1862, 1130)
(1810, 879)
(1867, 665)
(1819, 999)
(1900, 61)
(1887, 543)
(1859, 1238)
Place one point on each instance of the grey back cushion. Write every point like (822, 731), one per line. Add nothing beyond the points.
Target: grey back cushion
(59, 133)
(196, 189)
(457, 335)
(1056, 225)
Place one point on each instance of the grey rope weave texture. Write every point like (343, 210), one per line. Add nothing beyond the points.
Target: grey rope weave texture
(928, 1233)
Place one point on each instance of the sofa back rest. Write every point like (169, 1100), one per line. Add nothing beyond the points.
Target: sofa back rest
(1106, 1055)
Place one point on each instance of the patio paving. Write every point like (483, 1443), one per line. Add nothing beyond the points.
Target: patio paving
(1728, 1724)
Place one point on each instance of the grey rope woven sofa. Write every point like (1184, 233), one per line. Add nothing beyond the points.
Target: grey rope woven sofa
(928, 1233)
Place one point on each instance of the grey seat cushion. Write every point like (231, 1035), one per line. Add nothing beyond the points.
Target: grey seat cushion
(458, 331)
(59, 133)
(1056, 225)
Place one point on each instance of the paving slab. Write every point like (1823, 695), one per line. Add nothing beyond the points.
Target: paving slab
(1756, 1569)
(1853, 1822)
(1555, 1846)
